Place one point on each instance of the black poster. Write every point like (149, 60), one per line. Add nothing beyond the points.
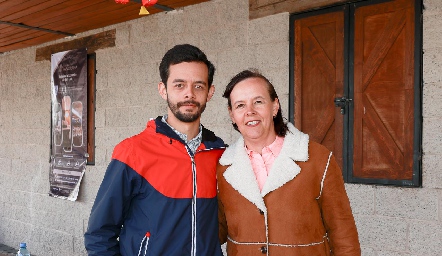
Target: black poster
(69, 122)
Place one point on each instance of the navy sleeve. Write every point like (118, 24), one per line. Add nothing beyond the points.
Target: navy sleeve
(118, 187)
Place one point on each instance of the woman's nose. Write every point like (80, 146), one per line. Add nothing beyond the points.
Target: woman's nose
(250, 110)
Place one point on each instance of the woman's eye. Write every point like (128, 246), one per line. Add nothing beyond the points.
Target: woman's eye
(240, 106)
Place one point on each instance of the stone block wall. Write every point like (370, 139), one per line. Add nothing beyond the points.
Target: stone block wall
(390, 220)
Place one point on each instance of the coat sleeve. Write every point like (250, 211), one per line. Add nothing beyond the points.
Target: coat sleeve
(336, 213)
(119, 185)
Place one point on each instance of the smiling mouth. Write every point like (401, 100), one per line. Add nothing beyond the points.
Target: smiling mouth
(252, 123)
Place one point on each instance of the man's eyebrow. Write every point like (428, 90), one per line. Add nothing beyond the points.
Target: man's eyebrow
(179, 80)
(200, 82)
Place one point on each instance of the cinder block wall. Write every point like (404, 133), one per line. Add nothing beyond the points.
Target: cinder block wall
(390, 220)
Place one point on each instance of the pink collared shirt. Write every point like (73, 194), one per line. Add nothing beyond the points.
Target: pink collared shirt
(262, 163)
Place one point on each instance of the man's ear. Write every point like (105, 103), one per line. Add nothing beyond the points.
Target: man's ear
(162, 90)
(211, 92)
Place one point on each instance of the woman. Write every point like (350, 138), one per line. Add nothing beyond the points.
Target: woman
(279, 193)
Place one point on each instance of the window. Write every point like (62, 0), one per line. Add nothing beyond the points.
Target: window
(356, 87)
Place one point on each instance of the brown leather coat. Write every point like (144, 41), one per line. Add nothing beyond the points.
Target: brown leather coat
(303, 208)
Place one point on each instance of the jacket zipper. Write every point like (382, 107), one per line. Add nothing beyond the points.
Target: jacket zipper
(194, 193)
(194, 197)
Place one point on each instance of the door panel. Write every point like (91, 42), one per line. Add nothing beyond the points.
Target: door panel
(383, 91)
(318, 78)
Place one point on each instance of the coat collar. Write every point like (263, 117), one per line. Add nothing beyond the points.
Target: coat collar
(240, 174)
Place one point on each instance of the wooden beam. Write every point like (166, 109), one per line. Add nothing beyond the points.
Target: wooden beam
(262, 8)
(21, 25)
(92, 43)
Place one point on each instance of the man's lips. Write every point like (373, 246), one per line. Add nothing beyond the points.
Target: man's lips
(188, 104)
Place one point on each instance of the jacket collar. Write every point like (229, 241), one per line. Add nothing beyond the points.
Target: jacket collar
(209, 139)
(242, 178)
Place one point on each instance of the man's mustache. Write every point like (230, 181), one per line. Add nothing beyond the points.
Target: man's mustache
(180, 104)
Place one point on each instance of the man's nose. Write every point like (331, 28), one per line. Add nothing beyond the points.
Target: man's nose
(190, 92)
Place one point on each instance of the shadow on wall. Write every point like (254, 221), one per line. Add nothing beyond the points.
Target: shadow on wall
(7, 251)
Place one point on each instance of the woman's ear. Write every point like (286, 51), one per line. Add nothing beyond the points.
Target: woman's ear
(275, 107)
(231, 115)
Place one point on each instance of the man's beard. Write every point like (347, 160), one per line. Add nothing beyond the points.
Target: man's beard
(186, 117)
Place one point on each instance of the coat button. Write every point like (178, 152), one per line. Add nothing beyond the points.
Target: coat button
(261, 212)
(264, 249)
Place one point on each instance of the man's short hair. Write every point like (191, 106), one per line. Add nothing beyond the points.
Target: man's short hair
(184, 53)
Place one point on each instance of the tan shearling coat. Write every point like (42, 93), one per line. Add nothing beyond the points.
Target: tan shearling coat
(303, 208)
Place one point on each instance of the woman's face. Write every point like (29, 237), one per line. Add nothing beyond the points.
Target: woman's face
(252, 111)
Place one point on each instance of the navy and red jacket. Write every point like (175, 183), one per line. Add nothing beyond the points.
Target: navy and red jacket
(157, 198)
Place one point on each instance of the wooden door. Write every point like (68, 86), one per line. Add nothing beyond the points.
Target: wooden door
(318, 78)
(383, 91)
(365, 51)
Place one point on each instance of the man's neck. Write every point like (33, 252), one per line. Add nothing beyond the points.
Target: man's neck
(191, 129)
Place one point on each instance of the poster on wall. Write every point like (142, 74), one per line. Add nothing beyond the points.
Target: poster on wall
(69, 122)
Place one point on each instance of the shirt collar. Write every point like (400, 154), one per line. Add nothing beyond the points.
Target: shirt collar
(193, 143)
(274, 148)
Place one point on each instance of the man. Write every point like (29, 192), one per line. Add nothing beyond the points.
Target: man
(158, 196)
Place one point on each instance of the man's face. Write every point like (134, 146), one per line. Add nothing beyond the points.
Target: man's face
(187, 91)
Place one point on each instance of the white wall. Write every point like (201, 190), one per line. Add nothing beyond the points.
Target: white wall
(391, 221)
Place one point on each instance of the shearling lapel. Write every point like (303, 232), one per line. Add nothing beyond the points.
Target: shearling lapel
(242, 178)
(240, 173)
(284, 169)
